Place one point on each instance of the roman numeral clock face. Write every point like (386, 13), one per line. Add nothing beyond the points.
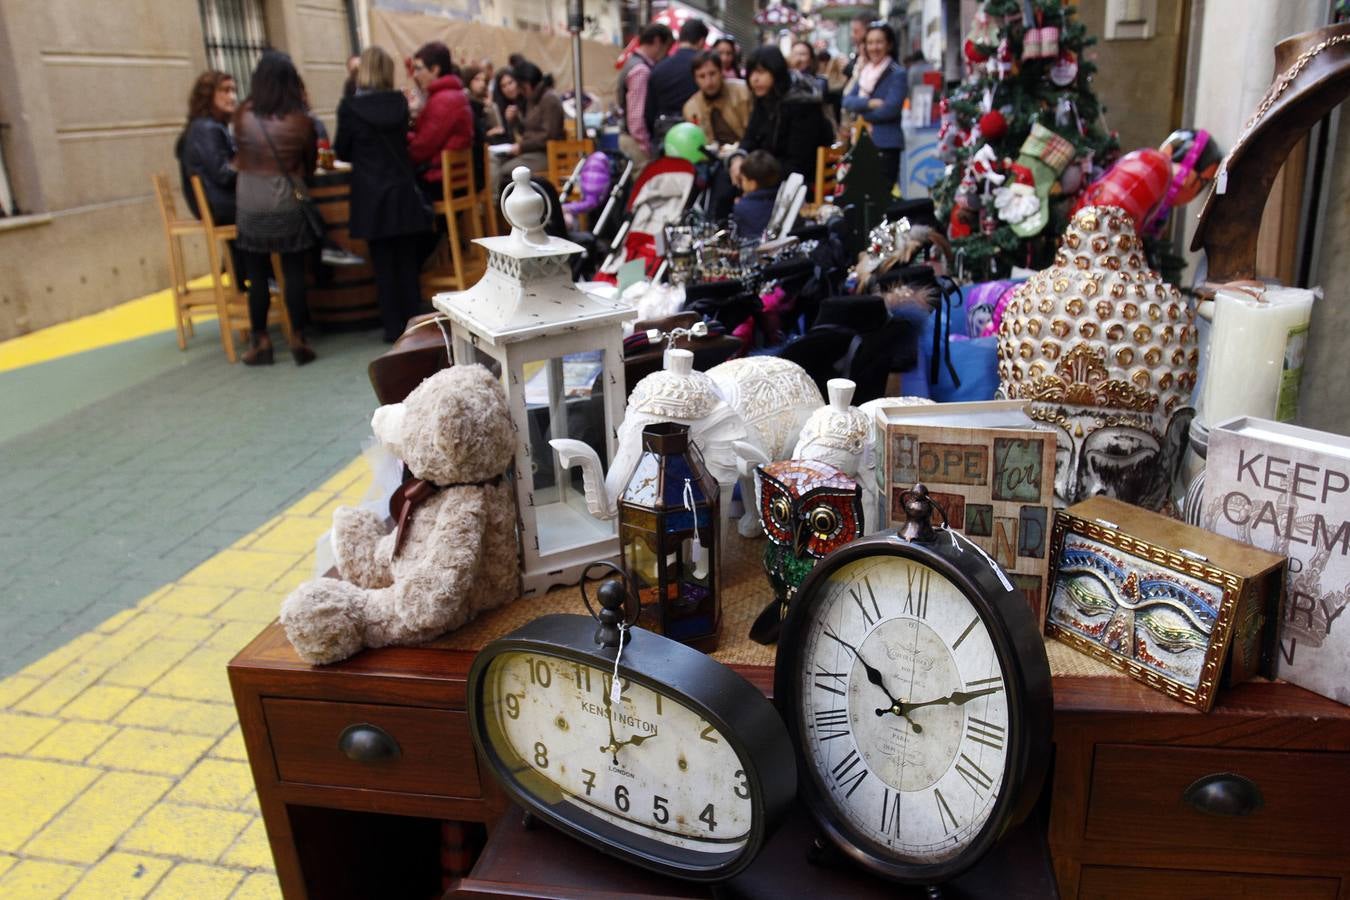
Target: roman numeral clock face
(903, 708)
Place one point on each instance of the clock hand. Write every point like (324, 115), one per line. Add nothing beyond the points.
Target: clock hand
(636, 739)
(613, 745)
(955, 698)
(873, 675)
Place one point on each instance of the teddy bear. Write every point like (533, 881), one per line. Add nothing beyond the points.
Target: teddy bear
(453, 551)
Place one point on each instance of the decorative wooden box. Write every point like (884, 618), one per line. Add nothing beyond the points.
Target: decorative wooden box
(1161, 600)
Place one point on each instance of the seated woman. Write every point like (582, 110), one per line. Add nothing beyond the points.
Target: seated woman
(544, 121)
(787, 120)
(445, 121)
(878, 95)
(484, 116)
(206, 149)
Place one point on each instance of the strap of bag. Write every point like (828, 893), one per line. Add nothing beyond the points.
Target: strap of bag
(300, 195)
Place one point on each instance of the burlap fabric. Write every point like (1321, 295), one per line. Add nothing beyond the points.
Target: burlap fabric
(745, 591)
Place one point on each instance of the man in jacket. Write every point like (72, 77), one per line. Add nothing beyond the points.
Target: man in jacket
(720, 107)
(672, 79)
(653, 43)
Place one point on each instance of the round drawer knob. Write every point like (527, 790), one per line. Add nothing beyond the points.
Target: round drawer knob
(366, 743)
(1224, 794)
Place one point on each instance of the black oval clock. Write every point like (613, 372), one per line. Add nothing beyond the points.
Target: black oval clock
(681, 767)
(915, 685)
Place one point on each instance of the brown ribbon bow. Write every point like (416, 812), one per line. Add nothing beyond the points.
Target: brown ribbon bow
(413, 493)
(403, 501)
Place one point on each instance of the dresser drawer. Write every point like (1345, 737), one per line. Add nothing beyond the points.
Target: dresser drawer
(407, 749)
(1139, 796)
(1114, 882)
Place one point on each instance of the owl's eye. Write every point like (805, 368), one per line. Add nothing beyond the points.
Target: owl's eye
(781, 511)
(824, 521)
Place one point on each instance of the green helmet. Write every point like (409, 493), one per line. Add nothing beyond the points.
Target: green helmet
(686, 141)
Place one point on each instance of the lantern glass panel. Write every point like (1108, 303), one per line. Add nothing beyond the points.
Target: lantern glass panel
(668, 517)
(563, 399)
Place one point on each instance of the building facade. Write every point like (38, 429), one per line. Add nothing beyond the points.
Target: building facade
(92, 98)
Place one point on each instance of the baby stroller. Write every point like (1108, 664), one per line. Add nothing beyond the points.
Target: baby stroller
(660, 196)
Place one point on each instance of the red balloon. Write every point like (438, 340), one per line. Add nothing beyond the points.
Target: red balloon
(1136, 183)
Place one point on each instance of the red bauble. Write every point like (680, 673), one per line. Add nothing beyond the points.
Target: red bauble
(973, 53)
(993, 126)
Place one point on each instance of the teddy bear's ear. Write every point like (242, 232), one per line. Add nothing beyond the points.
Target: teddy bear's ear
(387, 423)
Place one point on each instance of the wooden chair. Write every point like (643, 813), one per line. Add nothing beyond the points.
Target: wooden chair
(460, 195)
(231, 301)
(827, 167)
(485, 196)
(188, 301)
(563, 157)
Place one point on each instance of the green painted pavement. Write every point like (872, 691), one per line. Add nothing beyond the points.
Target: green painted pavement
(123, 468)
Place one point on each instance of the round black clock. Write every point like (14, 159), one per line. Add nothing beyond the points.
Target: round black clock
(638, 745)
(915, 685)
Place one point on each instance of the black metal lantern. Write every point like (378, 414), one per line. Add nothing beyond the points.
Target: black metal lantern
(668, 532)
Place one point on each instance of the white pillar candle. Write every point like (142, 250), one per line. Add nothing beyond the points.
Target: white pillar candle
(1256, 351)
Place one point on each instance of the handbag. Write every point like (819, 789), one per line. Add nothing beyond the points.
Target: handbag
(313, 218)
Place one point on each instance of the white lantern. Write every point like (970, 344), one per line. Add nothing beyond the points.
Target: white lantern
(553, 344)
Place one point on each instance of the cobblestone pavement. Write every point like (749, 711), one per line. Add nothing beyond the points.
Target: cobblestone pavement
(156, 509)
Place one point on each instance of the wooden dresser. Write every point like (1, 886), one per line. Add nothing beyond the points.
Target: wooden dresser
(369, 787)
(1153, 799)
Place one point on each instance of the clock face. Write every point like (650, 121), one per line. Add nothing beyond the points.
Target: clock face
(645, 771)
(903, 709)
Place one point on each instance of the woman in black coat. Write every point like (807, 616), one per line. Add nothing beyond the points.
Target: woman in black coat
(387, 209)
(788, 118)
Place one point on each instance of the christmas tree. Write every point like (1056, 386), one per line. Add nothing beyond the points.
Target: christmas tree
(1023, 135)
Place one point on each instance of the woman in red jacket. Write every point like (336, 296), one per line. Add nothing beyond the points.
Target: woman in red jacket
(444, 122)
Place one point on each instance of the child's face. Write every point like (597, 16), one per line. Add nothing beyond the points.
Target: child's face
(748, 184)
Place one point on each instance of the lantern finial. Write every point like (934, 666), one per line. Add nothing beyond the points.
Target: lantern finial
(525, 208)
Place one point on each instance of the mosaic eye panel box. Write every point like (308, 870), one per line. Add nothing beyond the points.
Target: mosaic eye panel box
(1161, 600)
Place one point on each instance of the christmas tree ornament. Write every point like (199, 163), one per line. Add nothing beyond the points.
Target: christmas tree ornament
(1046, 154)
(1049, 43)
(984, 30)
(1065, 69)
(1066, 115)
(974, 55)
(1105, 352)
(1017, 200)
(1031, 44)
(993, 125)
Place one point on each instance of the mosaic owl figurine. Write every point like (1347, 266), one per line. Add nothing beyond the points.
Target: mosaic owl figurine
(808, 508)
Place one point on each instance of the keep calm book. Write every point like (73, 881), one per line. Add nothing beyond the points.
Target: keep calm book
(992, 472)
(1287, 489)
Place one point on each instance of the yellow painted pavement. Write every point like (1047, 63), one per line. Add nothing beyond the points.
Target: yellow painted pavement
(120, 755)
(150, 314)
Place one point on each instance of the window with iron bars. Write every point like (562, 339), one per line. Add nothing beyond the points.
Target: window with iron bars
(235, 37)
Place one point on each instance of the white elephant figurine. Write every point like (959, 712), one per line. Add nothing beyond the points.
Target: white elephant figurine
(776, 397)
(738, 402)
(847, 438)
